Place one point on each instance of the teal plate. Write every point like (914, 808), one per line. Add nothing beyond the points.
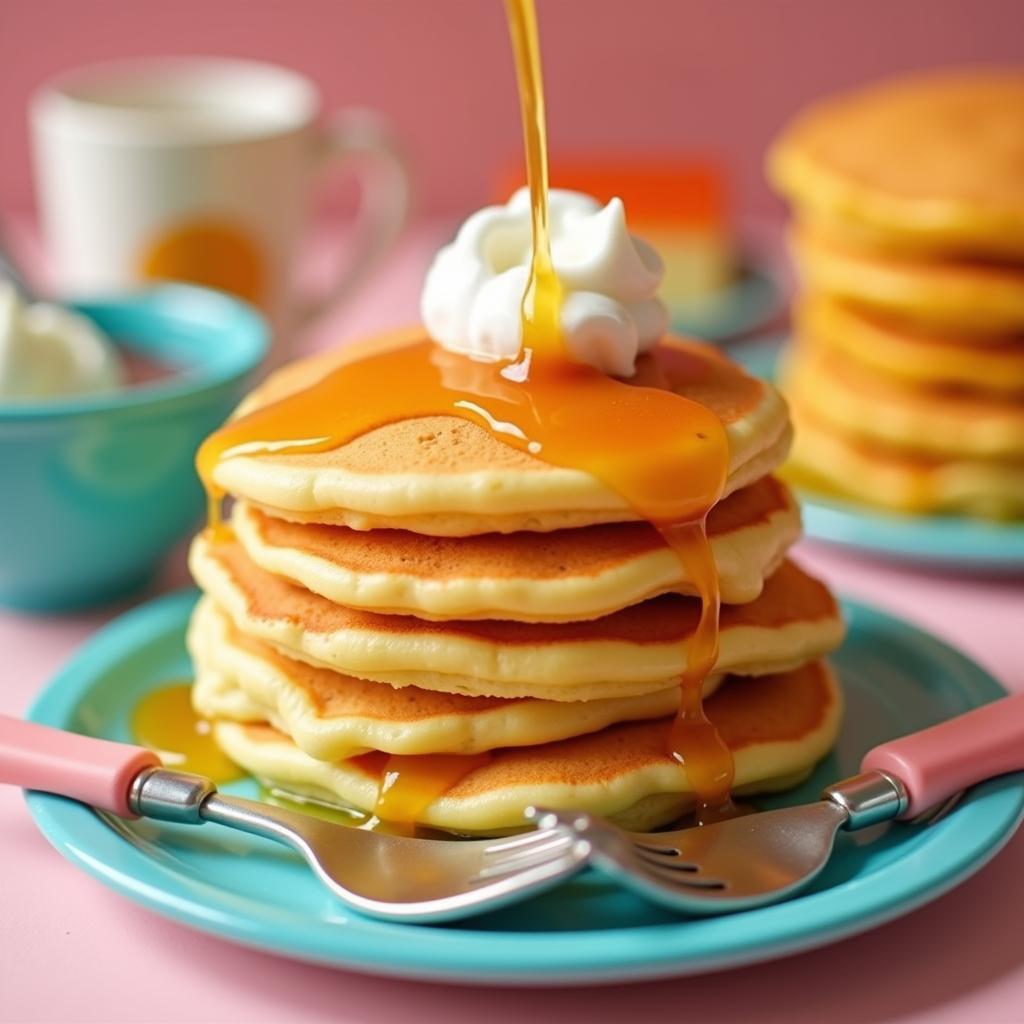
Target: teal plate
(950, 542)
(251, 891)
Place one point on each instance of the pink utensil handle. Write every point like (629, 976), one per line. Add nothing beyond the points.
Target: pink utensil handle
(97, 772)
(936, 763)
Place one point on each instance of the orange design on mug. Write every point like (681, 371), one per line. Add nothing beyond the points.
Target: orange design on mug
(210, 252)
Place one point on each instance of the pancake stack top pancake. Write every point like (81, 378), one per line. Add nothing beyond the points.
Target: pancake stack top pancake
(430, 626)
(907, 380)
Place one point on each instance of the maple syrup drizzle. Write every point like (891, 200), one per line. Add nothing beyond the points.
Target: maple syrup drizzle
(164, 721)
(694, 741)
(666, 456)
(410, 783)
(542, 300)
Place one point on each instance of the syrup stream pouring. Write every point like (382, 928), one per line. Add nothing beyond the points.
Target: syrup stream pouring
(389, 877)
(762, 858)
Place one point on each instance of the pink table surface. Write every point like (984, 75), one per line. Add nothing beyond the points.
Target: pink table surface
(71, 950)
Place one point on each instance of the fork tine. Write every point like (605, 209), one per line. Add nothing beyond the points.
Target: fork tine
(620, 850)
(520, 861)
(522, 842)
(566, 857)
(681, 879)
(661, 851)
(667, 863)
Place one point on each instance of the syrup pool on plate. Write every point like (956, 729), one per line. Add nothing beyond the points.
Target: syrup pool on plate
(165, 722)
(665, 455)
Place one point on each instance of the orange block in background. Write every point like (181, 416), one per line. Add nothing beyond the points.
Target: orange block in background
(680, 204)
(683, 191)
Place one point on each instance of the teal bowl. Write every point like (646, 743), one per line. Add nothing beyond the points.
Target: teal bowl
(94, 490)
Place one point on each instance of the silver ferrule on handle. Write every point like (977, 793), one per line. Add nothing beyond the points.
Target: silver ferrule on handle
(167, 795)
(868, 799)
(170, 796)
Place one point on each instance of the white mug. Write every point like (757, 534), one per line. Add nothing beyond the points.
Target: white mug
(203, 169)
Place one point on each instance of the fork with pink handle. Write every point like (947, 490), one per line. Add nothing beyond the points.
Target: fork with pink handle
(753, 860)
(390, 877)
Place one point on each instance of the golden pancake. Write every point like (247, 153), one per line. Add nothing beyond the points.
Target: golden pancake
(777, 727)
(638, 650)
(930, 162)
(331, 716)
(929, 421)
(982, 302)
(830, 461)
(908, 355)
(561, 576)
(447, 476)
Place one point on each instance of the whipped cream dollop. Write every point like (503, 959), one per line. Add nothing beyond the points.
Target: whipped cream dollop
(47, 351)
(474, 289)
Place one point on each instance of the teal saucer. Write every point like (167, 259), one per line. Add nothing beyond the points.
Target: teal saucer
(754, 299)
(247, 890)
(950, 542)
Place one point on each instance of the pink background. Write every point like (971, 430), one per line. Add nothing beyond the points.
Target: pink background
(637, 74)
(643, 74)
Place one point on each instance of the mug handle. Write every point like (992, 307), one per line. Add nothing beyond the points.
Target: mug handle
(366, 139)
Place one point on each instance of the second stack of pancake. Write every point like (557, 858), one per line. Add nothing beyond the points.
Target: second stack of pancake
(907, 380)
(428, 600)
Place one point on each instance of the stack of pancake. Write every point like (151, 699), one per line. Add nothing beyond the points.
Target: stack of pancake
(907, 379)
(429, 601)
